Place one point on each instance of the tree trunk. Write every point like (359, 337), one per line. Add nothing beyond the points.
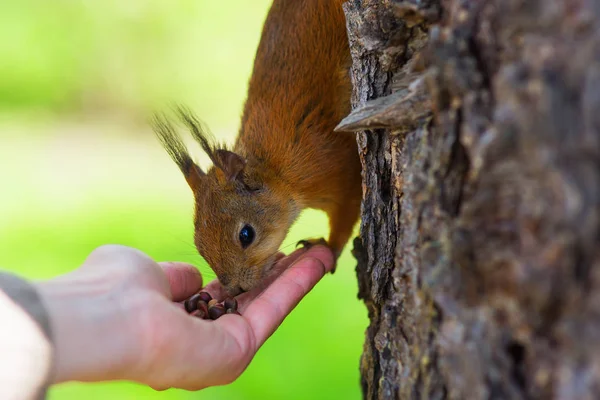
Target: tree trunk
(479, 256)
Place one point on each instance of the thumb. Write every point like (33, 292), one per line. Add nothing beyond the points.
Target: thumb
(184, 279)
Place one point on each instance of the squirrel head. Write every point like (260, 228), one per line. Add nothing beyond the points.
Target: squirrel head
(239, 221)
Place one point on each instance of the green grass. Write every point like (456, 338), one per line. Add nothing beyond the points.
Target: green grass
(79, 167)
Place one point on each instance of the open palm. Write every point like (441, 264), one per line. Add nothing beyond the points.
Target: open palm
(128, 322)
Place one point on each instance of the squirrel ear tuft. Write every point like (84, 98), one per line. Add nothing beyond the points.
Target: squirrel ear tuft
(175, 147)
(231, 164)
(193, 175)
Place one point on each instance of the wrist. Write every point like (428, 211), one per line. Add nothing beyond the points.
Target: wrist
(87, 322)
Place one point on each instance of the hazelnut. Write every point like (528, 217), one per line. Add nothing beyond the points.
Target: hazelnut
(231, 303)
(191, 304)
(216, 311)
(205, 297)
(212, 303)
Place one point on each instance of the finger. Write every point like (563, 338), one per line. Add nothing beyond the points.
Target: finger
(184, 279)
(285, 261)
(282, 263)
(269, 309)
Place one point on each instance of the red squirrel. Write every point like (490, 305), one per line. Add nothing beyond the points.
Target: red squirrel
(286, 157)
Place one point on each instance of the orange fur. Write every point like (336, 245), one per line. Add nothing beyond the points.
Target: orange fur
(287, 157)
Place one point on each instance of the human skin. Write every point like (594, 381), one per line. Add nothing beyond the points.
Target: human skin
(119, 316)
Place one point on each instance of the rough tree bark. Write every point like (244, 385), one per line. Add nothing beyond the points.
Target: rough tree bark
(479, 256)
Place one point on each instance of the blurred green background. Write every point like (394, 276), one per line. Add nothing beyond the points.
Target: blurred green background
(79, 167)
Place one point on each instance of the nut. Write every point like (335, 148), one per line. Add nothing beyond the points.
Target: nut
(216, 311)
(232, 311)
(205, 297)
(191, 304)
(212, 303)
(231, 303)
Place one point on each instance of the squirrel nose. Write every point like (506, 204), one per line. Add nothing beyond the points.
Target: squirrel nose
(234, 290)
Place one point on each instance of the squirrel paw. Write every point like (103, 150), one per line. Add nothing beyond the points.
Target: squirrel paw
(308, 243)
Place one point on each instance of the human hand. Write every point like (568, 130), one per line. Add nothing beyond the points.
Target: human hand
(120, 317)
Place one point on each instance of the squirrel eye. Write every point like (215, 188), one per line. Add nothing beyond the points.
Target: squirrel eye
(247, 236)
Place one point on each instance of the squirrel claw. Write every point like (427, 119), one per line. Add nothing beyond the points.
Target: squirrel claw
(308, 243)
